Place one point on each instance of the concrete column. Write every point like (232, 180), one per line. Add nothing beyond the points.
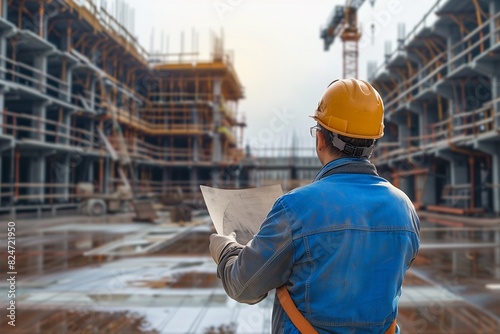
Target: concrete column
(215, 174)
(494, 7)
(429, 195)
(459, 173)
(497, 255)
(217, 147)
(68, 78)
(495, 94)
(36, 174)
(62, 177)
(403, 134)
(40, 63)
(2, 107)
(65, 129)
(39, 111)
(196, 149)
(4, 8)
(495, 170)
(3, 53)
(90, 166)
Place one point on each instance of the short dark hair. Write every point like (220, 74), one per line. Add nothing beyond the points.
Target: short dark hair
(353, 141)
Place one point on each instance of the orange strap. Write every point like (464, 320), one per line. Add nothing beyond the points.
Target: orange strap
(298, 319)
(293, 313)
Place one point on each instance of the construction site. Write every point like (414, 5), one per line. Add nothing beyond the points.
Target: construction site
(104, 146)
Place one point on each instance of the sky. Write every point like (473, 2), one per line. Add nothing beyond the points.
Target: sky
(278, 53)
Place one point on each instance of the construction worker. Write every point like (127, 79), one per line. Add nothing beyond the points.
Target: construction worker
(336, 250)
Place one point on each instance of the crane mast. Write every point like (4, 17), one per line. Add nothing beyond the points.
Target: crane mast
(343, 22)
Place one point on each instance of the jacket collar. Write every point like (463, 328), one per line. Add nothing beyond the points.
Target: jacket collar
(346, 165)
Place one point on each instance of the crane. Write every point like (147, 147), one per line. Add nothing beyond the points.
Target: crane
(343, 22)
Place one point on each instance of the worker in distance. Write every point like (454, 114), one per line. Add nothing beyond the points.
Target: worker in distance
(336, 250)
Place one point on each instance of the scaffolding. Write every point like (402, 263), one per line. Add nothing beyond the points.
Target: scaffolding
(68, 70)
(442, 98)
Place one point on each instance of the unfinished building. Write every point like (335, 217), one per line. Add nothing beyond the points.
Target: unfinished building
(441, 90)
(75, 86)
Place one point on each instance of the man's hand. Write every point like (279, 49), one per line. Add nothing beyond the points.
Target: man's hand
(219, 242)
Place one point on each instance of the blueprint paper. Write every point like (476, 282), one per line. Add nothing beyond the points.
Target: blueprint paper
(241, 211)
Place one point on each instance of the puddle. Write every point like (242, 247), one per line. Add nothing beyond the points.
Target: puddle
(49, 252)
(195, 243)
(131, 247)
(445, 318)
(183, 280)
(77, 321)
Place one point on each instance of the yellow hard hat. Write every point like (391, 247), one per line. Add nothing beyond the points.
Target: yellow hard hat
(352, 108)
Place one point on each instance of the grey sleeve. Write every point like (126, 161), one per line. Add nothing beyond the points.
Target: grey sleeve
(249, 273)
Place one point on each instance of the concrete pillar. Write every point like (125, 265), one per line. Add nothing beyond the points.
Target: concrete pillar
(215, 174)
(459, 173)
(495, 95)
(3, 53)
(2, 106)
(90, 168)
(68, 79)
(39, 111)
(36, 174)
(429, 195)
(40, 63)
(196, 149)
(495, 171)
(62, 177)
(494, 7)
(3, 4)
(65, 129)
(497, 254)
(403, 134)
(217, 147)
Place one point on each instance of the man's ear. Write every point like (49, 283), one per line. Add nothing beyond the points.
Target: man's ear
(320, 141)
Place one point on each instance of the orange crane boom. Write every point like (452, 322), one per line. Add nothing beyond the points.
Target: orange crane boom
(343, 22)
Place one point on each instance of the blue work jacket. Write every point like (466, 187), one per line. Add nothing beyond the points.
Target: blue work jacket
(341, 245)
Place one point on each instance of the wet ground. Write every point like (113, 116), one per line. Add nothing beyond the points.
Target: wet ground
(112, 275)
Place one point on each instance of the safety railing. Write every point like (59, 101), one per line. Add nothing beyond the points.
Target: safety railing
(466, 50)
(39, 192)
(24, 126)
(386, 150)
(179, 96)
(175, 120)
(458, 195)
(462, 125)
(139, 149)
(29, 76)
(423, 23)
